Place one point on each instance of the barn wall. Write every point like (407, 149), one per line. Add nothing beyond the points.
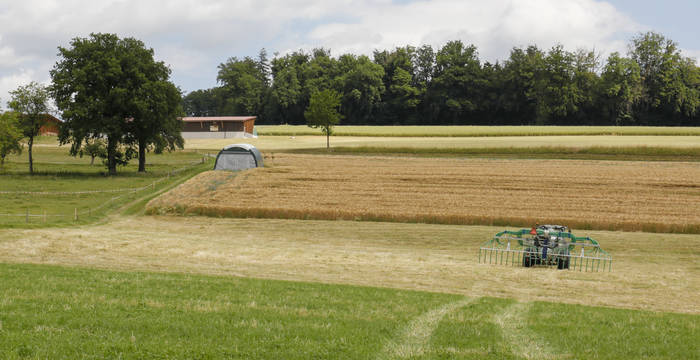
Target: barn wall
(213, 135)
(205, 126)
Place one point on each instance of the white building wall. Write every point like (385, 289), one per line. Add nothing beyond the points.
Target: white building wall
(216, 135)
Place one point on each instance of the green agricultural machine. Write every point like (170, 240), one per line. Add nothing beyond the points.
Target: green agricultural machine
(545, 246)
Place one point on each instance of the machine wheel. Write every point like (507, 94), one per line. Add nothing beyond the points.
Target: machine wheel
(563, 262)
(527, 258)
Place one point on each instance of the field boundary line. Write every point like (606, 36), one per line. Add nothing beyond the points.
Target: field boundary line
(414, 337)
(515, 331)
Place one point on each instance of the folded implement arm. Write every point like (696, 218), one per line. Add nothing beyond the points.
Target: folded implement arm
(543, 246)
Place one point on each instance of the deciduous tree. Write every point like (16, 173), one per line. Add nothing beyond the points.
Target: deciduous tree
(323, 112)
(113, 88)
(31, 102)
(10, 136)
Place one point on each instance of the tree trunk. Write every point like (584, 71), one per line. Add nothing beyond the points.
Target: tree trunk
(328, 139)
(142, 155)
(92, 160)
(111, 156)
(31, 162)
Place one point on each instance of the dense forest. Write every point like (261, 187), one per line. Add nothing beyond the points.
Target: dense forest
(654, 84)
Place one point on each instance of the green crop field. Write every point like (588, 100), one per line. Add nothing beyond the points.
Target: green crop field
(475, 131)
(66, 313)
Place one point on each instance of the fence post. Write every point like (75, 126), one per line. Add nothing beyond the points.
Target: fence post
(44, 215)
(75, 217)
(27, 218)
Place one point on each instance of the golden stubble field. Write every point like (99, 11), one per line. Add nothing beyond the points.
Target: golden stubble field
(658, 272)
(609, 195)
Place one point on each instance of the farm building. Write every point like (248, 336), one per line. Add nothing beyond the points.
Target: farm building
(218, 127)
(51, 125)
(238, 157)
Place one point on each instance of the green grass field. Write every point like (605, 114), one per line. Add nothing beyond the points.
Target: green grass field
(63, 185)
(67, 313)
(475, 131)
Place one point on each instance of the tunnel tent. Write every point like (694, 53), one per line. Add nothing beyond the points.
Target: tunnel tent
(238, 157)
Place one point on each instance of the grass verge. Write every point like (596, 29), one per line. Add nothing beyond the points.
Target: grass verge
(475, 131)
(623, 153)
(56, 312)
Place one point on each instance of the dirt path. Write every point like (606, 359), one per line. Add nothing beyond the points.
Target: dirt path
(414, 337)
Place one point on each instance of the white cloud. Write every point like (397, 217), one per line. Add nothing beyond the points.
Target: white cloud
(695, 54)
(11, 82)
(194, 36)
(494, 26)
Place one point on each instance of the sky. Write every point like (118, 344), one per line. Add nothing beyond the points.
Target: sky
(194, 36)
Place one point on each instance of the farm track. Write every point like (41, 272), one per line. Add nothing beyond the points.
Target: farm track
(522, 342)
(650, 271)
(413, 339)
(606, 195)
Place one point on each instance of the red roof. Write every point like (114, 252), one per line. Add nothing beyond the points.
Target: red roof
(218, 118)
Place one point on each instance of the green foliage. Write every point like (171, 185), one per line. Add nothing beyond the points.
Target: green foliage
(31, 102)
(244, 84)
(94, 148)
(654, 85)
(620, 88)
(112, 87)
(323, 112)
(670, 83)
(456, 82)
(361, 87)
(10, 136)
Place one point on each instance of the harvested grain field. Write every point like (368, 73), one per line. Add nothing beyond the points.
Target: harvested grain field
(650, 271)
(611, 195)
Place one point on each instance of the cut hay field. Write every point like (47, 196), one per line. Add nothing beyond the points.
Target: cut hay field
(610, 195)
(659, 272)
(474, 131)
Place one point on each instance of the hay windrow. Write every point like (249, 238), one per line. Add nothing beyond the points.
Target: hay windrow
(605, 195)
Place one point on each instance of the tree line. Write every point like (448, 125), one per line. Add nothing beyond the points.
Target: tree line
(654, 84)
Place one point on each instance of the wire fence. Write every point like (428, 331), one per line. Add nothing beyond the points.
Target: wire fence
(77, 214)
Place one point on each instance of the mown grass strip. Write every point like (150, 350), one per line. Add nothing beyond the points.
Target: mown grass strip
(476, 131)
(631, 153)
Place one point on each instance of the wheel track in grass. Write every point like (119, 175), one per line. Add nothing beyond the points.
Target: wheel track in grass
(414, 337)
(515, 332)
